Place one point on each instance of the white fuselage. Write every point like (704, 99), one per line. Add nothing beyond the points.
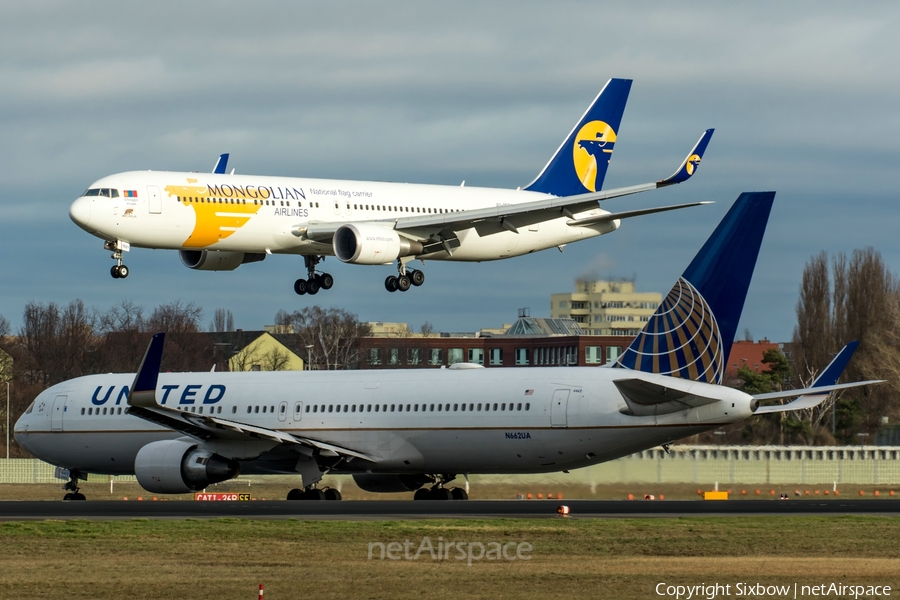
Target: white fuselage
(499, 420)
(259, 214)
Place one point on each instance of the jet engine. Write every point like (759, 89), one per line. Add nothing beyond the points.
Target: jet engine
(179, 466)
(391, 482)
(217, 260)
(371, 244)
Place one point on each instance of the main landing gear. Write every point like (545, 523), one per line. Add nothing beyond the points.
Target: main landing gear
(405, 278)
(313, 493)
(118, 270)
(72, 486)
(439, 492)
(314, 281)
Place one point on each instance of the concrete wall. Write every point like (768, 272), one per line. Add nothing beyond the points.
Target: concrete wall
(763, 465)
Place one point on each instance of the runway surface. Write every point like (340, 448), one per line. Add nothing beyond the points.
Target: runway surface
(399, 509)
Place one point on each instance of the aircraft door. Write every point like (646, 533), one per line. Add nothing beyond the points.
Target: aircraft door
(282, 411)
(558, 408)
(56, 414)
(154, 200)
(298, 411)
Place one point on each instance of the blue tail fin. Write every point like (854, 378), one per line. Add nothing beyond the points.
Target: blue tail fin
(579, 164)
(221, 164)
(691, 333)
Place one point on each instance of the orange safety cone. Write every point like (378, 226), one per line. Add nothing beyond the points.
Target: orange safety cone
(631, 496)
(661, 497)
(140, 498)
(528, 496)
(877, 493)
(743, 492)
(758, 492)
(540, 496)
(826, 492)
(862, 493)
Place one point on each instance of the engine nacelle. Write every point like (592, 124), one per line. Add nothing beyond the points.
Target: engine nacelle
(391, 482)
(217, 260)
(370, 244)
(179, 467)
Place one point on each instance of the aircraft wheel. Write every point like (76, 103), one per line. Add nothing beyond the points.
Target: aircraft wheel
(79, 496)
(422, 494)
(295, 494)
(123, 271)
(69, 496)
(417, 278)
(459, 494)
(114, 271)
(300, 287)
(440, 494)
(332, 494)
(390, 284)
(326, 281)
(314, 494)
(403, 283)
(312, 286)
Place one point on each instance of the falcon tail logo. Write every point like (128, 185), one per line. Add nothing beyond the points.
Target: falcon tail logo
(592, 148)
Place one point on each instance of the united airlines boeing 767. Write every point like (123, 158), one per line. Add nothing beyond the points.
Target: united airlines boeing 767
(403, 430)
(218, 221)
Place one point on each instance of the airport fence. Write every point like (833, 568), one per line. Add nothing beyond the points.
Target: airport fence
(702, 465)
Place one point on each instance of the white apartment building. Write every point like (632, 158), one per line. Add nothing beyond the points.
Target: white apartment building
(606, 307)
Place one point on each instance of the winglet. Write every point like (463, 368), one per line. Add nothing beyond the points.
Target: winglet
(143, 390)
(691, 163)
(221, 164)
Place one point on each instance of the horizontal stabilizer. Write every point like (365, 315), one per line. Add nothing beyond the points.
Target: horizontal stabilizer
(629, 213)
(815, 394)
(818, 394)
(645, 398)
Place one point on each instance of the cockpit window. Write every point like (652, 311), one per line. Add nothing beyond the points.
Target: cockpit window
(30, 408)
(106, 192)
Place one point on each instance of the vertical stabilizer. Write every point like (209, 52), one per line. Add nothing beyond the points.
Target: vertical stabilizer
(691, 333)
(580, 163)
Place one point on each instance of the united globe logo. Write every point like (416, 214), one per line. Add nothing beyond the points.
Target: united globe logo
(681, 339)
(593, 143)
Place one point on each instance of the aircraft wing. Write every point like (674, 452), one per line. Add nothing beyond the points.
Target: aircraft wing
(814, 395)
(142, 403)
(645, 398)
(510, 217)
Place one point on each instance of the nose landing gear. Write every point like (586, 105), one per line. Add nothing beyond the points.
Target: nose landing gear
(72, 486)
(314, 281)
(118, 270)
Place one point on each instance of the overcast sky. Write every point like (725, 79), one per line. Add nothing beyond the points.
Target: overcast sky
(804, 97)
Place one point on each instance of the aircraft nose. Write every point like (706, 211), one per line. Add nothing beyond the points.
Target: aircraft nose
(80, 212)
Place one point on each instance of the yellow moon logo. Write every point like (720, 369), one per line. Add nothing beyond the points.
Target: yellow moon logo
(692, 163)
(593, 143)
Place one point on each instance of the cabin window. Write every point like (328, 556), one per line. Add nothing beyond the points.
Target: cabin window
(331, 408)
(503, 406)
(455, 407)
(376, 408)
(82, 410)
(520, 406)
(415, 408)
(479, 406)
(527, 406)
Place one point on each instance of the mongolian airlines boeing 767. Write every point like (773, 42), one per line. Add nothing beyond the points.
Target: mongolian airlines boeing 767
(218, 222)
(418, 429)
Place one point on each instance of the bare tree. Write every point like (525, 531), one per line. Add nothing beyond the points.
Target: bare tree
(331, 336)
(58, 343)
(427, 329)
(859, 305)
(4, 327)
(222, 321)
